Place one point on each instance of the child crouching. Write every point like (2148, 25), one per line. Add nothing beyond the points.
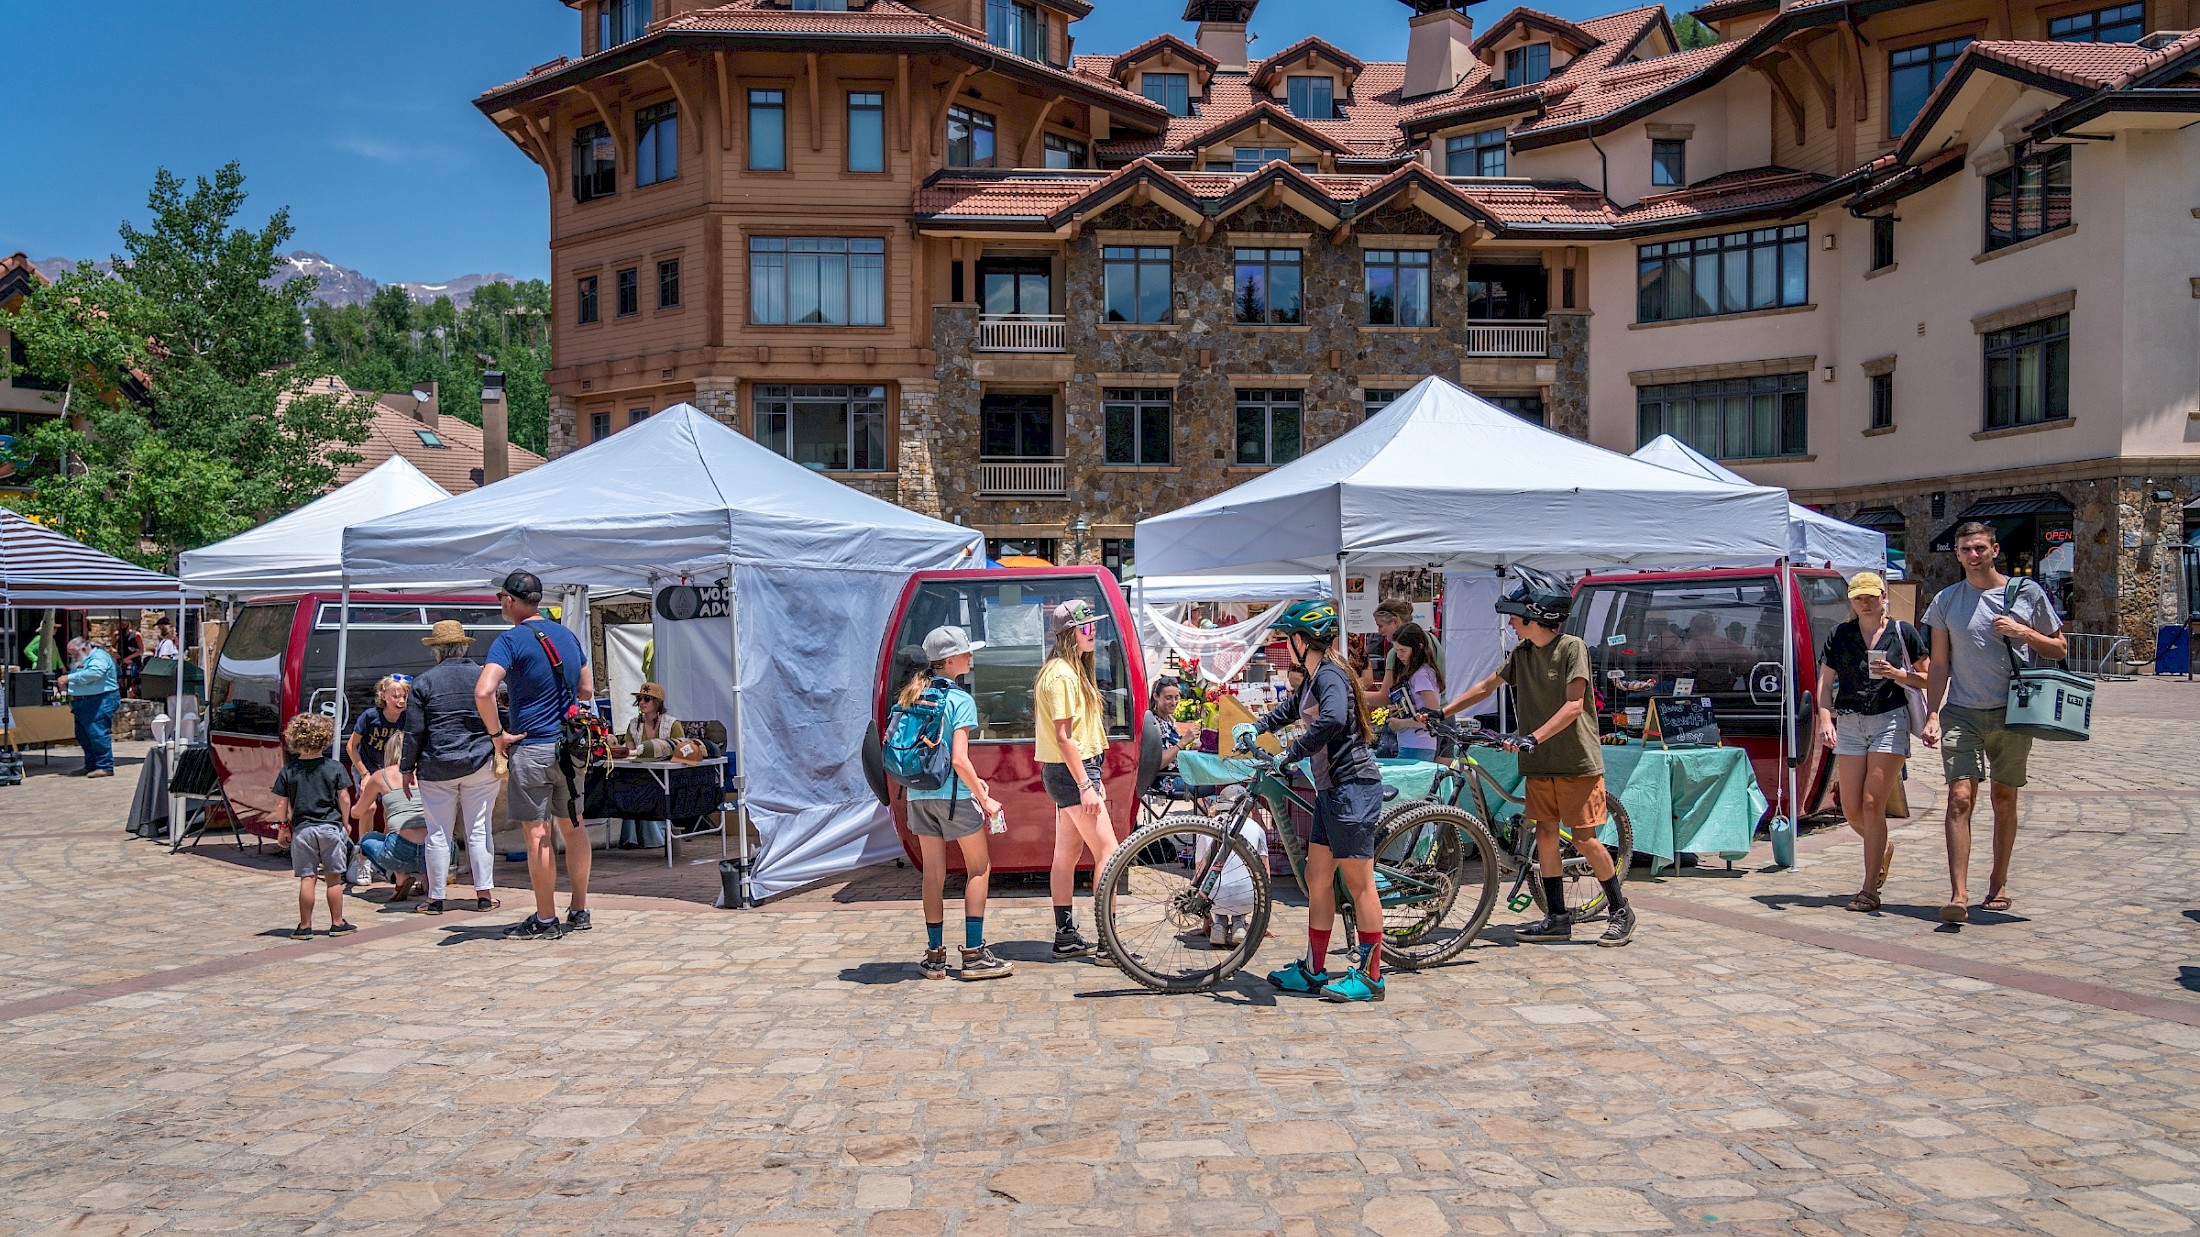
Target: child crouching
(315, 798)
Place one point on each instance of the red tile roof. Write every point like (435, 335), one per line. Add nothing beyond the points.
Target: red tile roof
(1614, 35)
(1150, 48)
(1297, 51)
(391, 431)
(1601, 94)
(1546, 22)
(2091, 65)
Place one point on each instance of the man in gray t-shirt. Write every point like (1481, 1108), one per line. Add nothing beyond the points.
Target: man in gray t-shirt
(1978, 627)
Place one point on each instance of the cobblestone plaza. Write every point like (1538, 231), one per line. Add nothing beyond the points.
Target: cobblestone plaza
(1757, 1062)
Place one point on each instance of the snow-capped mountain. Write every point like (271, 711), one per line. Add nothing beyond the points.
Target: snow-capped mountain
(337, 285)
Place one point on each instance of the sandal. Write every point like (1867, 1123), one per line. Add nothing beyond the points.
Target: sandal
(1865, 902)
(1955, 912)
(1886, 863)
(1995, 902)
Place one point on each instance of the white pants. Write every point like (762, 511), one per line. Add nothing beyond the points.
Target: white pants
(471, 801)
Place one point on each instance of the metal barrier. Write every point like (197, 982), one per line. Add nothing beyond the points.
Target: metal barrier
(2099, 656)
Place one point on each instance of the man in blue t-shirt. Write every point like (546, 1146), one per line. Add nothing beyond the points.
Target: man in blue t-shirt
(545, 671)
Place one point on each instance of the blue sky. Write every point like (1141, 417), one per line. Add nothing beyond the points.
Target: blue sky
(357, 115)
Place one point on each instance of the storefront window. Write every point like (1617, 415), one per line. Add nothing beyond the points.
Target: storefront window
(1010, 616)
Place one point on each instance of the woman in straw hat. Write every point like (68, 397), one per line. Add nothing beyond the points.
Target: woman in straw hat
(648, 737)
(448, 756)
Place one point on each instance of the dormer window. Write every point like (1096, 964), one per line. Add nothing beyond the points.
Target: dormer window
(1527, 65)
(1016, 27)
(1171, 90)
(621, 21)
(1311, 98)
(820, 6)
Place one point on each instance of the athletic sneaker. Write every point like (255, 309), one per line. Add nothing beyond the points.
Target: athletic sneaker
(533, 929)
(1620, 929)
(1353, 985)
(341, 929)
(980, 963)
(577, 920)
(1552, 928)
(1299, 977)
(301, 934)
(934, 965)
(1069, 943)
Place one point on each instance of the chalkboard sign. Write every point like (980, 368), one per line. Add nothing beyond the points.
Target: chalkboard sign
(1687, 721)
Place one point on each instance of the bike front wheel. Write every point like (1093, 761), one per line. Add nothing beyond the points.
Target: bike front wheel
(1436, 873)
(1584, 892)
(1183, 903)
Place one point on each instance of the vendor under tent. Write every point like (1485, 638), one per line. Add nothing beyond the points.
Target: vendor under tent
(1442, 478)
(773, 588)
(302, 552)
(42, 570)
(1812, 537)
(1161, 608)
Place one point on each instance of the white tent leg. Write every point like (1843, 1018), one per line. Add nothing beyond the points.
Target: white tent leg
(343, 657)
(734, 751)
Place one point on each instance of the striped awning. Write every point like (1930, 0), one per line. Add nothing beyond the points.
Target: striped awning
(40, 568)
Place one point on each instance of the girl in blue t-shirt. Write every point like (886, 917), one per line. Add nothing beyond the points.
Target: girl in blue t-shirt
(956, 812)
(377, 744)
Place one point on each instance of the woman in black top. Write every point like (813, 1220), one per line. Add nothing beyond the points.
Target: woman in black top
(1864, 716)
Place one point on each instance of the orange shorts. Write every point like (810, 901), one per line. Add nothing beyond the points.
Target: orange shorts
(1576, 802)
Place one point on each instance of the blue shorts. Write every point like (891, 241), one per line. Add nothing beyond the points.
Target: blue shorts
(1345, 816)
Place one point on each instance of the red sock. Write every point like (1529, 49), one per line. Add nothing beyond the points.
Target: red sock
(1317, 947)
(1371, 954)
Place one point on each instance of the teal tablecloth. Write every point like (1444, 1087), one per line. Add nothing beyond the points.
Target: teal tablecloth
(1412, 777)
(1693, 800)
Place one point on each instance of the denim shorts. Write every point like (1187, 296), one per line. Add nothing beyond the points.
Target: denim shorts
(1064, 789)
(1872, 734)
(1345, 816)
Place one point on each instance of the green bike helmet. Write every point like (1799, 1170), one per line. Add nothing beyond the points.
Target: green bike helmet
(1315, 619)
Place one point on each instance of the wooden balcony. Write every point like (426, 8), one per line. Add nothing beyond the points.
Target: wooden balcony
(1027, 476)
(1020, 333)
(1498, 337)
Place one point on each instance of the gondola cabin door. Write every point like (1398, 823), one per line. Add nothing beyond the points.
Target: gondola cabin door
(1008, 610)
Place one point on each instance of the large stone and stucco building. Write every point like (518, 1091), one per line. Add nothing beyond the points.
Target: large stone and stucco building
(1916, 260)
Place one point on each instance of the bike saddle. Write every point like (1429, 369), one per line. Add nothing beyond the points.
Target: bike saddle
(1389, 793)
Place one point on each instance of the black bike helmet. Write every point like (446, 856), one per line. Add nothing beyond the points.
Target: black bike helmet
(1539, 598)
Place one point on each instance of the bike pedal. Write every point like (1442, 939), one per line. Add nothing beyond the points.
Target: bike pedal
(1519, 902)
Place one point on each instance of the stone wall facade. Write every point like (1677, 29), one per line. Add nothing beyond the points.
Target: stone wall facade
(1203, 357)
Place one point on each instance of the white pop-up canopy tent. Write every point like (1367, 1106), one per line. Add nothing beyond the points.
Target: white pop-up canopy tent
(303, 551)
(802, 572)
(1442, 478)
(1812, 537)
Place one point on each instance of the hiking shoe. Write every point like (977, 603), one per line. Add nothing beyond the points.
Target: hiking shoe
(301, 934)
(533, 929)
(433, 906)
(980, 963)
(934, 965)
(1299, 977)
(1620, 928)
(1069, 943)
(341, 929)
(1353, 985)
(1551, 928)
(577, 920)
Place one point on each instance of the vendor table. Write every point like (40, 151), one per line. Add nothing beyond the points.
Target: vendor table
(668, 776)
(1681, 800)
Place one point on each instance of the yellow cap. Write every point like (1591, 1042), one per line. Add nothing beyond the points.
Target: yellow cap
(1867, 584)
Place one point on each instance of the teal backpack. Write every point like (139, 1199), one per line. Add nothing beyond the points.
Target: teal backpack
(918, 752)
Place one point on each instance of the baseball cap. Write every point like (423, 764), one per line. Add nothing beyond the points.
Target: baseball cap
(946, 642)
(523, 585)
(1074, 613)
(1867, 584)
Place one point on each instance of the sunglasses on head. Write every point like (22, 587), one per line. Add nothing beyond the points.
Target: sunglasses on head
(401, 678)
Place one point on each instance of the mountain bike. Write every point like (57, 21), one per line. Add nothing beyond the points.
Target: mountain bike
(1466, 786)
(1155, 899)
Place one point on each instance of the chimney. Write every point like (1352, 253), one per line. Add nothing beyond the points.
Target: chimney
(428, 405)
(496, 463)
(1221, 31)
(1439, 51)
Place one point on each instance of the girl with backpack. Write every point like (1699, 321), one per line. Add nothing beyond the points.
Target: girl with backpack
(955, 812)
